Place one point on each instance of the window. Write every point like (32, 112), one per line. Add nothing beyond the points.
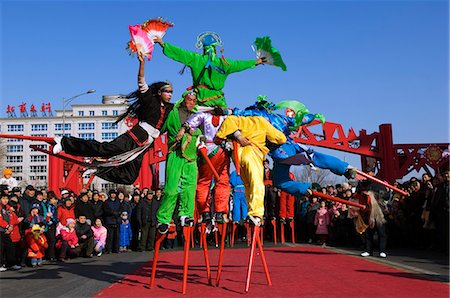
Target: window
(17, 169)
(39, 135)
(59, 126)
(39, 127)
(14, 148)
(115, 112)
(38, 158)
(81, 113)
(43, 146)
(104, 113)
(38, 169)
(86, 136)
(63, 134)
(18, 178)
(109, 125)
(86, 126)
(41, 177)
(15, 140)
(91, 113)
(14, 159)
(109, 135)
(15, 127)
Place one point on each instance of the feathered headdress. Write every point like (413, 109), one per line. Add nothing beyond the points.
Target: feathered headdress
(142, 35)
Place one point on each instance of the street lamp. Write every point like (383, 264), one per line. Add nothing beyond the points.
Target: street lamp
(68, 100)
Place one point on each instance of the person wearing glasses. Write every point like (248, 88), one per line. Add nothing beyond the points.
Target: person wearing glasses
(122, 157)
(181, 165)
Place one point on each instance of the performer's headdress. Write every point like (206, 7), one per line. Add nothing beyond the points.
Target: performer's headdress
(302, 114)
(207, 39)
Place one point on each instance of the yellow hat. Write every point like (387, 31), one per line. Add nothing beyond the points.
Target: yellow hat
(35, 227)
(7, 171)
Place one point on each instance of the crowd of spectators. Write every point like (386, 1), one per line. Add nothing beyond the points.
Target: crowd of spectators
(36, 226)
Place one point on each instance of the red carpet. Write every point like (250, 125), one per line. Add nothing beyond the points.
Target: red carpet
(304, 271)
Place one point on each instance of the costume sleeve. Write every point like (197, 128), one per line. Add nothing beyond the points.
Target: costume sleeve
(240, 65)
(274, 135)
(238, 112)
(178, 54)
(229, 126)
(196, 120)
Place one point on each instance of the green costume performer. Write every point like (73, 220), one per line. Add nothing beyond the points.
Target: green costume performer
(181, 165)
(208, 71)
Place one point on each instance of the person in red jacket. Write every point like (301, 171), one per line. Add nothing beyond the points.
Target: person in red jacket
(68, 241)
(8, 222)
(66, 211)
(37, 244)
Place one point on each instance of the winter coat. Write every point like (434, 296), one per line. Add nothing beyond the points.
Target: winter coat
(111, 212)
(83, 229)
(100, 235)
(86, 209)
(125, 233)
(70, 237)
(97, 206)
(36, 247)
(322, 221)
(64, 213)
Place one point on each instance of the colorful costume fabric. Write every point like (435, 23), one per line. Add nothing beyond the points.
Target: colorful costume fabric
(240, 209)
(181, 168)
(257, 130)
(220, 160)
(208, 71)
(291, 153)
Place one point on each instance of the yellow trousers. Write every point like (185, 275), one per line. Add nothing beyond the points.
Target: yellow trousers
(252, 174)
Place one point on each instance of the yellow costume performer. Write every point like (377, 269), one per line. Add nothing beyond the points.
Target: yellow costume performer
(256, 130)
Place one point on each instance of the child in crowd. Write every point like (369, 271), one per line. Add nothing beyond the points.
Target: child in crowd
(322, 222)
(100, 233)
(125, 232)
(37, 244)
(68, 241)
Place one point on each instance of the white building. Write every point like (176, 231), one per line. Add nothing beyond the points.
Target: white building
(86, 121)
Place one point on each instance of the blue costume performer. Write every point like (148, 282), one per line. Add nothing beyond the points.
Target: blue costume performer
(291, 153)
(240, 209)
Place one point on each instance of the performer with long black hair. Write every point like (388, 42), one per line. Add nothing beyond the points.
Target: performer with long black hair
(119, 160)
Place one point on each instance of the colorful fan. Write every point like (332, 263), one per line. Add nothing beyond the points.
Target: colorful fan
(142, 36)
(264, 49)
(140, 41)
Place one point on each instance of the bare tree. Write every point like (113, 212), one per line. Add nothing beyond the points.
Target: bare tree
(316, 175)
(2, 153)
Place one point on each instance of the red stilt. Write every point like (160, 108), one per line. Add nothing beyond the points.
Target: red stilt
(159, 239)
(204, 244)
(251, 258)
(233, 232)
(187, 239)
(249, 234)
(216, 237)
(256, 240)
(192, 237)
(263, 260)
(223, 233)
(274, 225)
(201, 235)
(282, 232)
(261, 229)
(292, 224)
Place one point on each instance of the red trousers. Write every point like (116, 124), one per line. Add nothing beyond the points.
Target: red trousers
(286, 205)
(221, 162)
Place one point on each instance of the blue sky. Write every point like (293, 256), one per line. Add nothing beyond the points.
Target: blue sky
(360, 63)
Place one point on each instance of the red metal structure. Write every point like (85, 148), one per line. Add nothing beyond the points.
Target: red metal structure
(377, 150)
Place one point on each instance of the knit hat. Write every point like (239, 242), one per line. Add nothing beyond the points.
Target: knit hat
(7, 171)
(64, 192)
(69, 220)
(35, 206)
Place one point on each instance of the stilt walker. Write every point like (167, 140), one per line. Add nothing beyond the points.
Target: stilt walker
(181, 175)
(252, 133)
(240, 209)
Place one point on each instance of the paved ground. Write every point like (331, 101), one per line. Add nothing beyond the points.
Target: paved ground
(84, 277)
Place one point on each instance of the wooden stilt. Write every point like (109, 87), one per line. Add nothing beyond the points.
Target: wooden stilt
(204, 244)
(282, 231)
(187, 239)
(159, 239)
(274, 225)
(223, 233)
(292, 224)
(233, 232)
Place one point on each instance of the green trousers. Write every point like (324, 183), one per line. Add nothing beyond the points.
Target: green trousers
(181, 175)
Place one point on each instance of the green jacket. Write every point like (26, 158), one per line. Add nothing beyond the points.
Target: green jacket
(172, 126)
(210, 77)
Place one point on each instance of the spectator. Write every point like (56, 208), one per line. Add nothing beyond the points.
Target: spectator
(68, 241)
(64, 195)
(99, 237)
(35, 216)
(111, 214)
(84, 207)
(8, 220)
(37, 244)
(27, 198)
(52, 206)
(85, 236)
(144, 217)
(66, 211)
(97, 204)
(134, 221)
(310, 218)
(322, 221)
(125, 232)
(8, 179)
(125, 204)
